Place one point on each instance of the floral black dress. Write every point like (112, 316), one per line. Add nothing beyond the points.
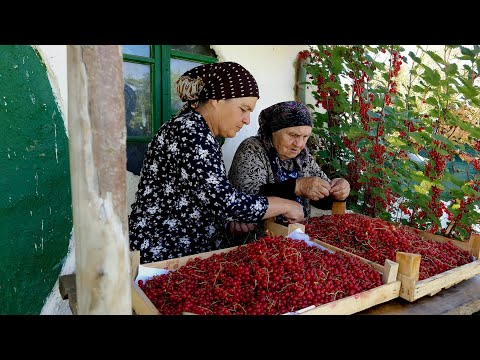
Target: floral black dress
(184, 198)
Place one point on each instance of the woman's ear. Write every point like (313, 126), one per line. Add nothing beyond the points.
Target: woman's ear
(214, 102)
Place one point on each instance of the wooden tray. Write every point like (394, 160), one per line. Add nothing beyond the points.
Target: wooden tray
(345, 306)
(409, 268)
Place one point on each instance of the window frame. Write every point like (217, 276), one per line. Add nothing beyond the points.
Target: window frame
(159, 61)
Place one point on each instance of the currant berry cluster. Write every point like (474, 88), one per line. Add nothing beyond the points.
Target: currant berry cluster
(376, 240)
(271, 276)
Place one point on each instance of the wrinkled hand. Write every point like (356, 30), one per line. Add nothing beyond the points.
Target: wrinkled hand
(294, 213)
(312, 187)
(238, 228)
(340, 188)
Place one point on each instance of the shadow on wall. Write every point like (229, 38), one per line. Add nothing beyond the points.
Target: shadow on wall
(132, 185)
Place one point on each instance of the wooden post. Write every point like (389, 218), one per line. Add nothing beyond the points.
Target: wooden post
(408, 264)
(97, 138)
(339, 207)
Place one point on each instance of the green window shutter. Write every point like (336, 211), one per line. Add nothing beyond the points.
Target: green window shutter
(158, 60)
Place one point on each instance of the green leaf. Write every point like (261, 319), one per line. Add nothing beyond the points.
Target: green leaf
(417, 137)
(451, 69)
(467, 52)
(355, 132)
(418, 88)
(324, 154)
(431, 76)
(333, 85)
(432, 101)
(417, 176)
(415, 58)
(336, 164)
(442, 152)
(454, 180)
(320, 118)
(423, 188)
(398, 102)
(388, 110)
(435, 57)
(396, 141)
(396, 188)
(337, 66)
(379, 192)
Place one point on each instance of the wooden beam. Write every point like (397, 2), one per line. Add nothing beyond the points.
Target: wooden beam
(66, 284)
(408, 264)
(339, 207)
(97, 138)
(390, 271)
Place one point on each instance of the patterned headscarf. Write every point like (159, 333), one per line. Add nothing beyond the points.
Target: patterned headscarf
(282, 115)
(224, 80)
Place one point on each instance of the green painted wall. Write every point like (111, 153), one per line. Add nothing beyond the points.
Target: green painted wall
(35, 197)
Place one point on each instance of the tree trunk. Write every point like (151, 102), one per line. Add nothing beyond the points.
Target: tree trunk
(97, 137)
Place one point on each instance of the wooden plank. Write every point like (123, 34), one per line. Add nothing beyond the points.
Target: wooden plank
(407, 290)
(460, 299)
(66, 284)
(390, 271)
(134, 263)
(408, 264)
(464, 245)
(72, 302)
(475, 242)
(446, 279)
(141, 303)
(358, 302)
(281, 230)
(339, 207)
(292, 227)
(96, 128)
(174, 264)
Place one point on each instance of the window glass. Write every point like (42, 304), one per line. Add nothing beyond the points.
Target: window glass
(135, 155)
(150, 90)
(177, 68)
(139, 50)
(195, 49)
(138, 104)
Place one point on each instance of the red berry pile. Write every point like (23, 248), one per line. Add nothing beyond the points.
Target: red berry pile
(376, 240)
(271, 276)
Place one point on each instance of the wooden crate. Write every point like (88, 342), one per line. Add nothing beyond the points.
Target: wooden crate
(358, 302)
(409, 268)
(346, 306)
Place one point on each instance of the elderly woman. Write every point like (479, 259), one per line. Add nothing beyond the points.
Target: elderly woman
(184, 198)
(277, 162)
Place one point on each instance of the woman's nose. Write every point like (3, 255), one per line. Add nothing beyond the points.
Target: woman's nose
(299, 143)
(246, 118)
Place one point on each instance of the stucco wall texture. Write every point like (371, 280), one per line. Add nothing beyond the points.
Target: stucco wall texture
(35, 197)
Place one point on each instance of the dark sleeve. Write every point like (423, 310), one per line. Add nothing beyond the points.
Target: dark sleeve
(325, 203)
(284, 189)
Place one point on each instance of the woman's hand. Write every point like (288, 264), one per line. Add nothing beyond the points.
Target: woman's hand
(340, 189)
(294, 213)
(312, 187)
